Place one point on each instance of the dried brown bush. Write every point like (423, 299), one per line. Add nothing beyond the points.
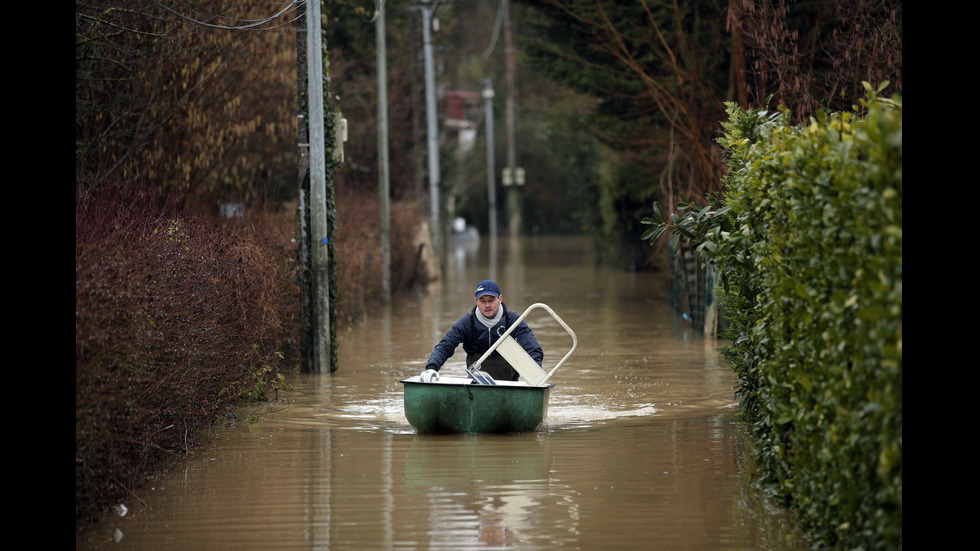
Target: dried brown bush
(359, 260)
(176, 319)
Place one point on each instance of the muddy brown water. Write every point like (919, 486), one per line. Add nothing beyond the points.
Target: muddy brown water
(640, 448)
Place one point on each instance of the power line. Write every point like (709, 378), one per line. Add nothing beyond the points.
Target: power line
(496, 30)
(291, 11)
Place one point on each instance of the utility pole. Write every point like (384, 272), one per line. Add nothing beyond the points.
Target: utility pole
(430, 108)
(383, 178)
(513, 192)
(487, 94)
(318, 195)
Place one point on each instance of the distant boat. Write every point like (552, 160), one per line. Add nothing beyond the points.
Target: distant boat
(464, 235)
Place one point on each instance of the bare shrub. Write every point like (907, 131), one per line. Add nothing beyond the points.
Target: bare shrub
(176, 318)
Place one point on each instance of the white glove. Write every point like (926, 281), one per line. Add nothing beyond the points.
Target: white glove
(429, 376)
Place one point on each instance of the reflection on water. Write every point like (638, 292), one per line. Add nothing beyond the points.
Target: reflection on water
(639, 450)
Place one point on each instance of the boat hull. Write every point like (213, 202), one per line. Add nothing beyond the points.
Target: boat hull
(455, 405)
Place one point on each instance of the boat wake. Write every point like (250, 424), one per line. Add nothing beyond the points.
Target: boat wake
(579, 416)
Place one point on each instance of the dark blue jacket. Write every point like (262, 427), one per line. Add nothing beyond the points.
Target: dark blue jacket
(476, 338)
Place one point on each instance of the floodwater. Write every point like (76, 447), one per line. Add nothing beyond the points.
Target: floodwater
(640, 448)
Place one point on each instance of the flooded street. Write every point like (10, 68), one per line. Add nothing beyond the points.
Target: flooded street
(640, 448)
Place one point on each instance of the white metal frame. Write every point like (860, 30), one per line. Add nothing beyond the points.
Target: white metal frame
(518, 358)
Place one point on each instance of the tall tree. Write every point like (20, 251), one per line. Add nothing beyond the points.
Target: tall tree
(660, 70)
(813, 54)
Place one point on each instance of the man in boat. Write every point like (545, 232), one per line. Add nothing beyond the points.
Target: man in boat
(478, 330)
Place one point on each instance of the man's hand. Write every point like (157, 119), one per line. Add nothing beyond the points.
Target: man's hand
(429, 376)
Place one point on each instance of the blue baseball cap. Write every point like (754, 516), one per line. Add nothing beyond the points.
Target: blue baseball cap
(487, 287)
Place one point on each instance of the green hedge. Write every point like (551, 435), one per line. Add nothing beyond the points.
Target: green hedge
(808, 239)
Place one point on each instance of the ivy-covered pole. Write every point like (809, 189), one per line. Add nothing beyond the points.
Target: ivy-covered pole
(303, 142)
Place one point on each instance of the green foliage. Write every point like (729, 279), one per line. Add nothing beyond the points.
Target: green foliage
(808, 237)
(257, 380)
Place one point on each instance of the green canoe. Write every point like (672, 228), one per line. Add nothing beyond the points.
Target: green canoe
(457, 405)
(482, 405)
